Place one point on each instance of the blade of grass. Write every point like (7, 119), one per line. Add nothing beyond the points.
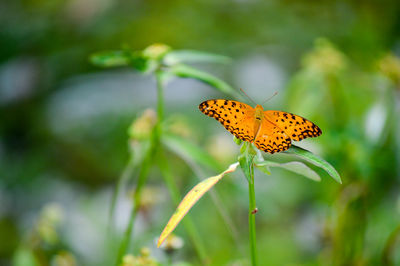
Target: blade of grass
(184, 150)
(175, 195)
(190, 199)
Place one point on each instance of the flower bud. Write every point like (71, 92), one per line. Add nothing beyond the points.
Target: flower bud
(389, 66)
(142, 127)
(156, 51)
(325, 58)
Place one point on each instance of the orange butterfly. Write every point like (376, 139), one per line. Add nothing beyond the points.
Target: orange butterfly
(270, 131)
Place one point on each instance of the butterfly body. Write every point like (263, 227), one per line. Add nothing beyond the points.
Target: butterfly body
(270, 131)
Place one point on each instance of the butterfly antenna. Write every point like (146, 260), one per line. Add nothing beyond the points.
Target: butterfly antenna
(269, 98)
(247, 96)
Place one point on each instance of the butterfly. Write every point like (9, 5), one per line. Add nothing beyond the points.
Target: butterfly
(270, 131)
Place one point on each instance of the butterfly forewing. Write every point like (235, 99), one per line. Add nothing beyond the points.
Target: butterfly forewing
(236, 117)
(296, 127)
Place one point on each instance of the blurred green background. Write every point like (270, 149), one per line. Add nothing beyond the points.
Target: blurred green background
(64, 122)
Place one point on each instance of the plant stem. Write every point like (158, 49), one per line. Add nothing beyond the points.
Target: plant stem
(252, 218)
(137, 201)
(160, 95)
(246, 160)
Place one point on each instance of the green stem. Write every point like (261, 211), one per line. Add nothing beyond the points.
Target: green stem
(137, 201)
(252, 218)
(127, 235)
(246, 160)
(160, 95)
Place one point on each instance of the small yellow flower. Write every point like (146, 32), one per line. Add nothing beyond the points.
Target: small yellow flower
(179, 126)
(50, 218)
(143, 125)
(143, 260)
(389, 65)
(64, 258)
(150, 196)
(156, 51)
(325, 58)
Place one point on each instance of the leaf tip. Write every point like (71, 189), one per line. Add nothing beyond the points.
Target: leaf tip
(159, 242)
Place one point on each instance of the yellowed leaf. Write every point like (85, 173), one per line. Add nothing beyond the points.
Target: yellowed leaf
(190, 199)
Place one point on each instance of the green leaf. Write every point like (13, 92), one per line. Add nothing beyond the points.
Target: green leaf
(192, 56)
(135, 59)
(110, 59)
(185, 71)
(149, 59)
(264, 168)
(186, 149)
(143, 63)
(316, 160)
(295, 167)
(246, 159)
(237, 141)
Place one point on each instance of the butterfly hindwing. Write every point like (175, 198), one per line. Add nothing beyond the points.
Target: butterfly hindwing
(236, 117)
(296, 127)
(271, 139)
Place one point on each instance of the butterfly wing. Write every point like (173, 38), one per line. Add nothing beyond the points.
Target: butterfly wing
(271, 138)
(296, 127)
(236, 117)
